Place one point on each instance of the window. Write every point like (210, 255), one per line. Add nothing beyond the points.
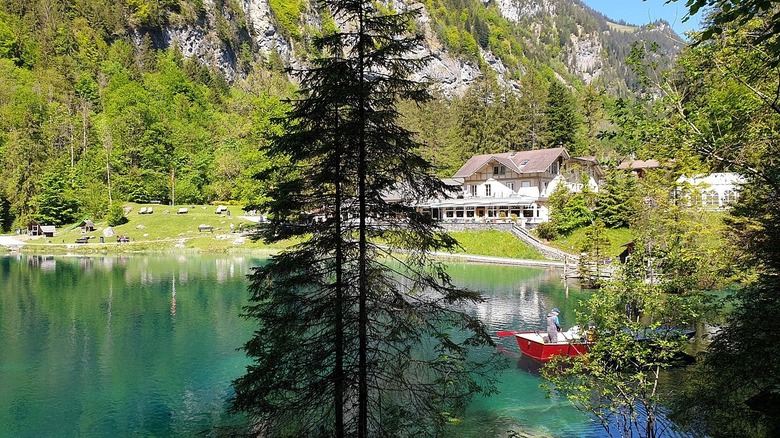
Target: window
(710, 198)
(499, 170)
(524, 162)
(526, 183)
(511, 186)
(730, 197)
(473, 190)
(554, 168)
(487, 190)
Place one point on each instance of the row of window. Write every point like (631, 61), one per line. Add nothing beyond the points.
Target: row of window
(480, 212)
(472, 189)
(713, 199)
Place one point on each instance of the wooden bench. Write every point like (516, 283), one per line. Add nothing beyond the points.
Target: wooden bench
(83, 239)
(205, 228)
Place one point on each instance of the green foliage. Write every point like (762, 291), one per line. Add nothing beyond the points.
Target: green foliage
(5, 217)
(547, 231)
(574, 242)
(731, 82)
(288, 13)
(676, 239)
(618, 201)
(488, 121)
(373, 358)
(563, 119)
(149, 13)
(633, 126)
(55, 204)
(725, 16)
(116, 215)
(569, 211)
(732, 388)
(594, 254)
(620, 373)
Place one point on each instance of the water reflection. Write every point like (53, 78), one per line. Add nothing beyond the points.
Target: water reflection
(146, 345)
(519, 298)
(90, 346)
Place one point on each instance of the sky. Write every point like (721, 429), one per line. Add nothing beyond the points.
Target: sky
(642, 12)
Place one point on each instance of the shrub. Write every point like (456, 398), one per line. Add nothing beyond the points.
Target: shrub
(116, 215)
(547, 231)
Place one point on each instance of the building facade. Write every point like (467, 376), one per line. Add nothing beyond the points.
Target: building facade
(512, 186)
(717, 190)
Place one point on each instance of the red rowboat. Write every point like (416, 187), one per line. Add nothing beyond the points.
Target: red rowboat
(533, 345)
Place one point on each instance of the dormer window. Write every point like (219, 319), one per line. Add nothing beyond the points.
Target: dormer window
(524, 162)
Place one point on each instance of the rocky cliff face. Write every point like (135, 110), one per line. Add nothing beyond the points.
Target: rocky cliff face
(590, 49)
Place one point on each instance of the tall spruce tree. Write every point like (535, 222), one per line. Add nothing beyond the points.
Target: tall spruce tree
(618, 202)
(533, 95)
(353, 339)
(562, 118)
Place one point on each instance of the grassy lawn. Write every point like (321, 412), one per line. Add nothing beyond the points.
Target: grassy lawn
(573, 242)
(166, 231)
(494, 243)
(709, 237)
(162, 231)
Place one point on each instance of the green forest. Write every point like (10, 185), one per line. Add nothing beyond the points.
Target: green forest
(96, 110)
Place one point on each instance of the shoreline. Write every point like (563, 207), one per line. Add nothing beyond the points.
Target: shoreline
(164, 247)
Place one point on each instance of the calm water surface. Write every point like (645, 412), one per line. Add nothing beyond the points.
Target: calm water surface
(146, 345)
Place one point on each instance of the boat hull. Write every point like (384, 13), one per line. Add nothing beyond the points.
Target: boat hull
(532, 345)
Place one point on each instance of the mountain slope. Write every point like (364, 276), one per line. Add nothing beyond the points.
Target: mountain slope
(466, 38)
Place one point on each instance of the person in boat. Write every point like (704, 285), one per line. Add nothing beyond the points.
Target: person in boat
(553, 325)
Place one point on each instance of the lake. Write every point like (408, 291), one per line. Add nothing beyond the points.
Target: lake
(146, 345)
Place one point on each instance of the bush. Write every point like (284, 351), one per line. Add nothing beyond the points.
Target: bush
(547, 231)
(116, 215)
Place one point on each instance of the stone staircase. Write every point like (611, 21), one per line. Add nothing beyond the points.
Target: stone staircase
(545, 250)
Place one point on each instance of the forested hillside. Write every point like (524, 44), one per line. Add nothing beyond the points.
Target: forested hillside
(173, 101)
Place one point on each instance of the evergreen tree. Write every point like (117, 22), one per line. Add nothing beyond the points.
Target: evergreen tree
(592, 104)
(351, 339)
(563, 119)
(533, 95)
(489, 120)
(618, 201)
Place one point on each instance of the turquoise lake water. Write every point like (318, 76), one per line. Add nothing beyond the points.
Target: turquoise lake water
(146, 346)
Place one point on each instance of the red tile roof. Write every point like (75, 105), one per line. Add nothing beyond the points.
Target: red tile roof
(639, 164)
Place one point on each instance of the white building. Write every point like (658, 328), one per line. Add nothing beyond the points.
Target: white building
(494, 187)
(717, 190)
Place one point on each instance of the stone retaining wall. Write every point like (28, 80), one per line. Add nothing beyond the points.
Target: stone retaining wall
(476, 226)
